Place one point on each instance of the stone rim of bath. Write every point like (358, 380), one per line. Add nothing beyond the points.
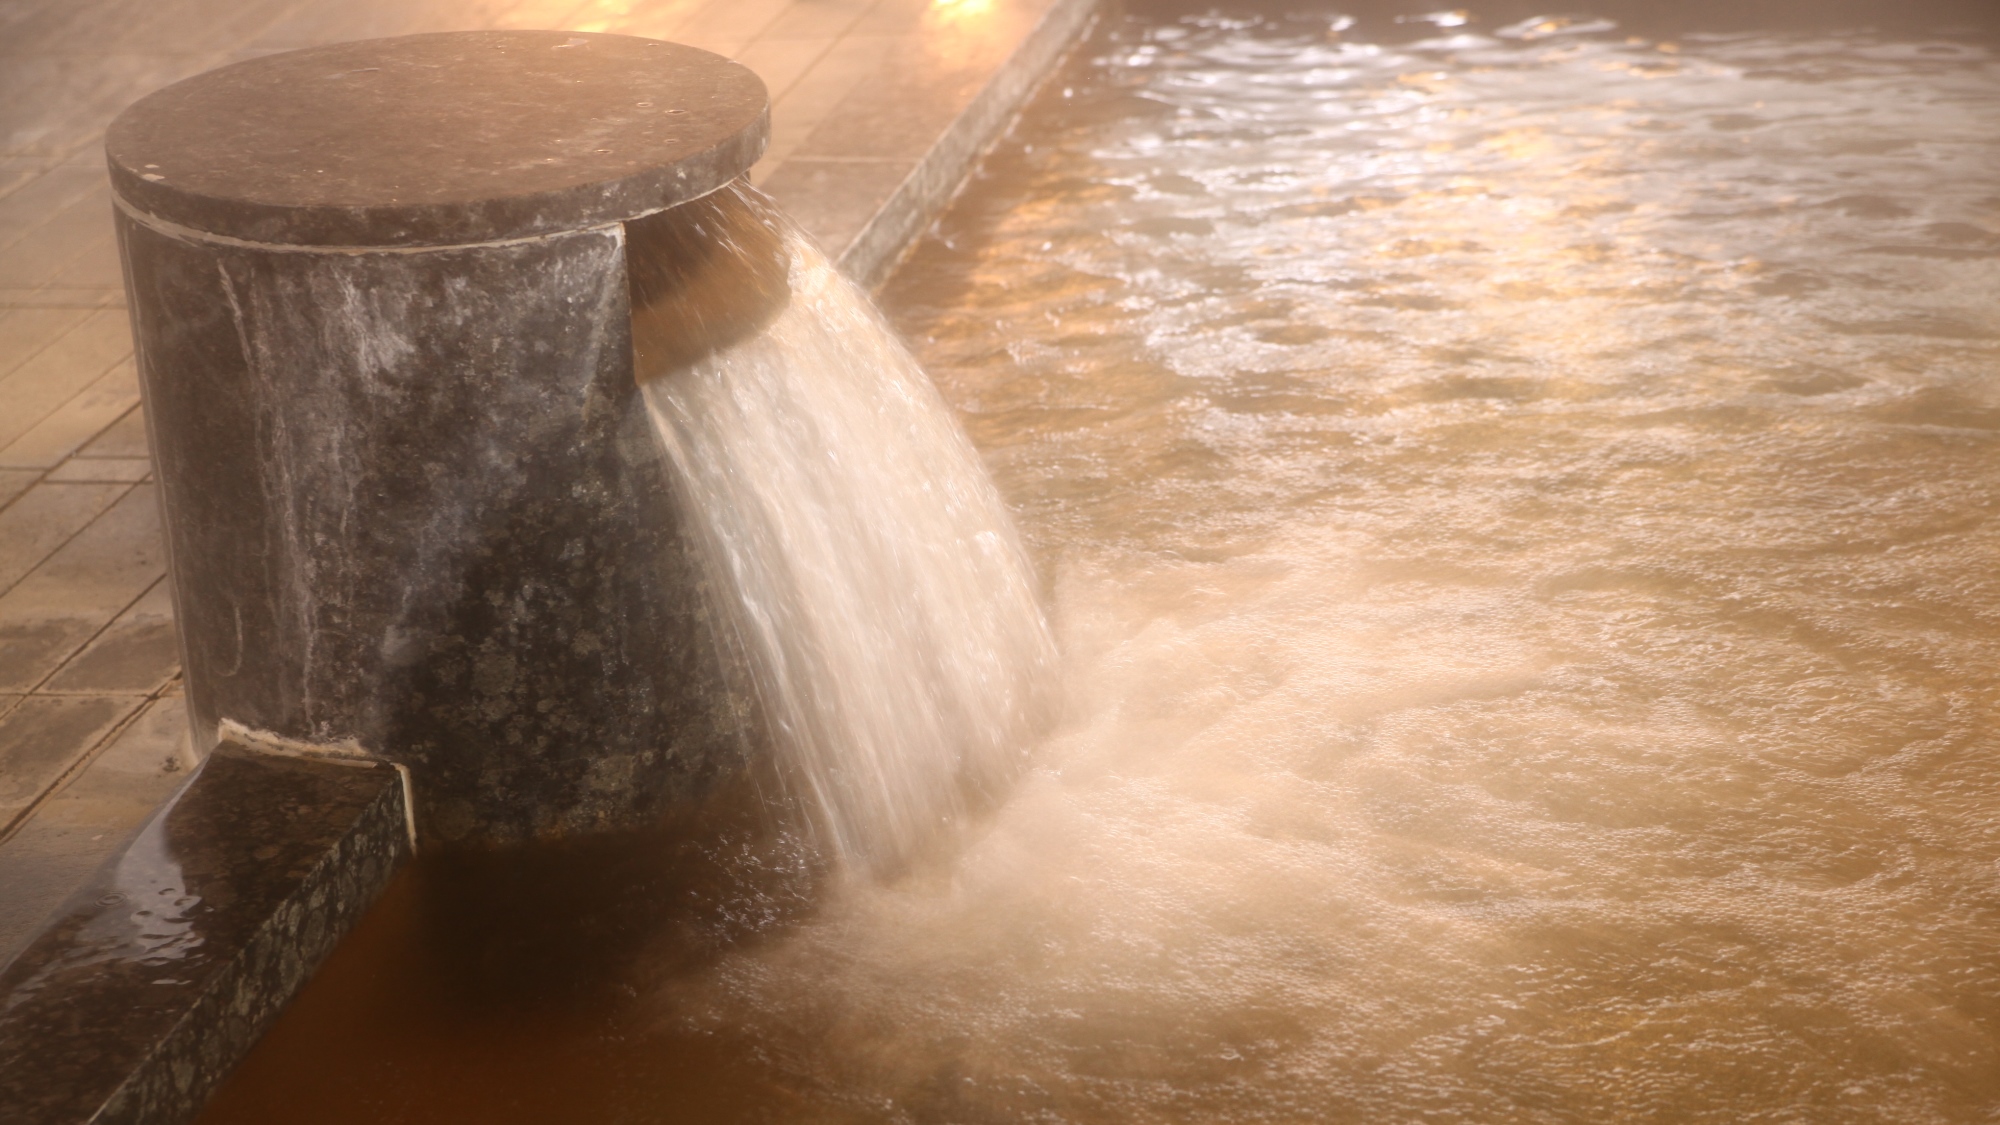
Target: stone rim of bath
(290, 149)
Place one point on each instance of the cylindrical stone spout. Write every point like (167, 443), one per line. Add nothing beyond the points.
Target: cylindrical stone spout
(383, 315)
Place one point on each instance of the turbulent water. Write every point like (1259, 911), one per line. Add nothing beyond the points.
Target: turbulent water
(867, 569)
(1521, 499)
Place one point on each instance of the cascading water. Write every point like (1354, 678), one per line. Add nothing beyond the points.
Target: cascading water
(1521, 500)
(864, 565)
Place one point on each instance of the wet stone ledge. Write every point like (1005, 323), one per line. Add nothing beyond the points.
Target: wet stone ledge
(160, 973)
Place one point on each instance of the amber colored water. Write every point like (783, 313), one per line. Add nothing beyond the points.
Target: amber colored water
(1520, 503)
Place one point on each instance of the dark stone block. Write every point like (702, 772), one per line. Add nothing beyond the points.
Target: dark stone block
(32, 648)
(156, 977)
(381, 304)
(415, 501)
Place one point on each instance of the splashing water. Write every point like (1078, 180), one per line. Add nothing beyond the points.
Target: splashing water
(872, 578)
(1521, 498)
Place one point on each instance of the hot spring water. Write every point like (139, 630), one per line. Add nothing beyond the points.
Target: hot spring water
(1519, 500)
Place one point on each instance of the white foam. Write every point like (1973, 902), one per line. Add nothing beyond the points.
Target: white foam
(873, 575)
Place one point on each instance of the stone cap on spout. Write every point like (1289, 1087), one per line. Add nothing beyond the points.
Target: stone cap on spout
(439, 140)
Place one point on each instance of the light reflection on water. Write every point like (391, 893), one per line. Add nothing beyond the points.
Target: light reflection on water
(1521, 506)
(1519, 501)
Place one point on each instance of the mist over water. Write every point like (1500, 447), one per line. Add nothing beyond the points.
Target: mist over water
(1519, 500)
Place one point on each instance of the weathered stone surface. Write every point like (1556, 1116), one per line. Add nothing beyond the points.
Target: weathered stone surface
(165, 967)
(432, 140)
(413, 498)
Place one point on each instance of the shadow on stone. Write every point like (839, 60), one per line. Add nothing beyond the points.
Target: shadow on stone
(703, 275)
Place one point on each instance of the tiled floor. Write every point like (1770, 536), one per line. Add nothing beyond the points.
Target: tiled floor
(91, 722)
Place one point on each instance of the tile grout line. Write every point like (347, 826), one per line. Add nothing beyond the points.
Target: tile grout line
(832, 41)
(763, 31)
(8, 372)
(80, 453)
(796, 78)
(48, 218)
(84, 760)
(51, 163)
(82, 389)
(41, 475)
(92, 639)
(68, 539)
(90, 755)
(1064, 45)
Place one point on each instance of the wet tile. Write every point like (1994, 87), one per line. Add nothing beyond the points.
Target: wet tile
(790, 126)
(34, 203)
(19, 20)
(14, 482)
(44, 251)
(16, 174)
(55, 104)
(46, 735)
(79, 589)
(336, 21)
(69, 426)
(24, 332)
(895, 17)
(726, 27)
(101, 470)
(43, 519)
(145, 759)
(831, 78)
(90, 819)
(124, 438)
(96, 268)
(50, 297)
(892, 129)
(37, 26)
(658, 19)
(835, 199)
(182, 26)
(137, 653)
(781, 62)
(104, 568)
(818, 19)
(532, 15)
(58, 372)
(922, 88)
(155, 746)
(31, 648)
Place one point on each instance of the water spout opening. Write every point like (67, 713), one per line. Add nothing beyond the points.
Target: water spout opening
(703, 276)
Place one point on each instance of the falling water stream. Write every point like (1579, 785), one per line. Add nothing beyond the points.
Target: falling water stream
(871, 575)
(1518, 498)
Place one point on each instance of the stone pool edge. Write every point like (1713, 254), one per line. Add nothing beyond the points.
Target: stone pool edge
(161, 972)
(868, 193)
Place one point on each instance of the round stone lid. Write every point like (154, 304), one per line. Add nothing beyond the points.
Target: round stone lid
(437, 140)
